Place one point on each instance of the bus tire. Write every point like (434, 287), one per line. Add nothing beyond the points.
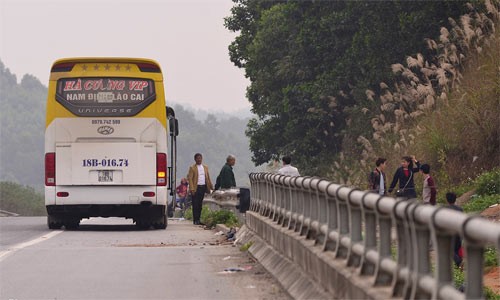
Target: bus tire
(53, 222)
(161, 223)
(72, 224)
(170, 210)
(142, 224)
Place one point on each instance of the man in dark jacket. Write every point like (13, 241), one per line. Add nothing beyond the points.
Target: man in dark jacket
(377, 177)
(226, 176)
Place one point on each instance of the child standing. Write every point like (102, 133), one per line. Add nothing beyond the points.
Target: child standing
(429, 190)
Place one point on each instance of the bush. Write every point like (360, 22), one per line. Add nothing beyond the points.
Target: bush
(490, 257)
(225, 217)
(205, 211)
(211, 218)
(23, 200)
(489, 183)
(490, 294)
(480, 203)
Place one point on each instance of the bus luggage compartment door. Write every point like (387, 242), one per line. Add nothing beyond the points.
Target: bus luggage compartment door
(106, 164)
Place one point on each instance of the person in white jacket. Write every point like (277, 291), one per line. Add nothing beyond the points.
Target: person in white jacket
(287, 169)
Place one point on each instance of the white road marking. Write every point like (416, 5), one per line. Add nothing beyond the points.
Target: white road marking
(17, 247)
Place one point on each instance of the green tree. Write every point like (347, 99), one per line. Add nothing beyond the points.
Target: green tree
(310, 62)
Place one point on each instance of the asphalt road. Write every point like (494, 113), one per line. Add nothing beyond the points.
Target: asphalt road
(111, 259)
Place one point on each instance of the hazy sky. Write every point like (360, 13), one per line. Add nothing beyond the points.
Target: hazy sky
(187, 38)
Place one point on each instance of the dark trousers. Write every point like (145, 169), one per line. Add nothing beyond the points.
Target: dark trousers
(198, 202)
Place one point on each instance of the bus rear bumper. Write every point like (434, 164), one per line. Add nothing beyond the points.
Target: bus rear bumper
(133, 211)
(106, 201)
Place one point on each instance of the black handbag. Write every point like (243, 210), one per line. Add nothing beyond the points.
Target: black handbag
(401, 192)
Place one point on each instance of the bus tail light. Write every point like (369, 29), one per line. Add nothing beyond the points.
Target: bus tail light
(62, 67)
(50, 169)
(146, 67)
(161, 169)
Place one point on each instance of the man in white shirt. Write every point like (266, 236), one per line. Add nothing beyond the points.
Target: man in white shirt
(377, 179)
(287, 169)
(199, 185)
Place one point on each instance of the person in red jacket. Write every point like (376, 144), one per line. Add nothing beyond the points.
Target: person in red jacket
(429, 190)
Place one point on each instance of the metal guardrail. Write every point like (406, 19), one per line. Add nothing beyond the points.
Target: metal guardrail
(356, 226)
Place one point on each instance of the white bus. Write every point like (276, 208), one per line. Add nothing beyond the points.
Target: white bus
(106, 145)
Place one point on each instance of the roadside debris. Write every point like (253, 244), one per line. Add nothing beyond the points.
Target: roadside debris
(235, 270)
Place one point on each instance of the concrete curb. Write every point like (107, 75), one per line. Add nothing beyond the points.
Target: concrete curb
(297, 263)
(293, 280)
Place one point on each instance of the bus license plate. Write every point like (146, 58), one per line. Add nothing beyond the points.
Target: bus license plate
(105, 176)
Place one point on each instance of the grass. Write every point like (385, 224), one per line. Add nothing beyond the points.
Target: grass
(480, 203)
(213, 217)
(246, 246)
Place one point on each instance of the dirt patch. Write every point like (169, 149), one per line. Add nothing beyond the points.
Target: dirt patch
(492, 280)
(492, 213)
(465, 198)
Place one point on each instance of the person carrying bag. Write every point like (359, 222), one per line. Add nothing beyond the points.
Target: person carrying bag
(404, 176)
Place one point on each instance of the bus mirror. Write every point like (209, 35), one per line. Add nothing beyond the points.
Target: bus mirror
(173, 125)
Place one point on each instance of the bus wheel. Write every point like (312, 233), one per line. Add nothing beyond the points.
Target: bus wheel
(161, 223)
(142, 224)
(53, 222)
(72, 224)
(170, 210)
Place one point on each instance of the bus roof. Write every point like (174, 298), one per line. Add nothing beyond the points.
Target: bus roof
(131, 60)
(105, 66)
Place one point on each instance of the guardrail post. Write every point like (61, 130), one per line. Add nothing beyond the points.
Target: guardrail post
(475, 259)
(384, 246)
(306, 213)
(278, 179)
(322, 215)
(331, 243)
(401, 286)
(287, 198)
(420, 245)
(442, 243)
(343, 221)
(370, 241)
(354, 207)
(293, 204)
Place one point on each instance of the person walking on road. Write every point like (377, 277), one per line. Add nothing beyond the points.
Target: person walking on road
(377, 178)
(287, 168)
(199, 185)
(226, 180)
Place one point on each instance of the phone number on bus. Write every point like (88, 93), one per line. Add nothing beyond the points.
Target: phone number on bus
(107, 162)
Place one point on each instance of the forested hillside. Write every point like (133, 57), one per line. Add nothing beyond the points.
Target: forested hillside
(215, 139)
(22, 128)
(337, 83)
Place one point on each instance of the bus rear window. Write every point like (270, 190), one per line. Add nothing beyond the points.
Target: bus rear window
(105, 97)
